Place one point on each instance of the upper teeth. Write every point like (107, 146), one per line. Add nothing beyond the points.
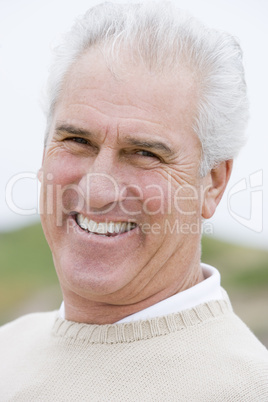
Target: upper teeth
(103, 227)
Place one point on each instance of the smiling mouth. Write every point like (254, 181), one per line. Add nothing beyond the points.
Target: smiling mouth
(109, 229)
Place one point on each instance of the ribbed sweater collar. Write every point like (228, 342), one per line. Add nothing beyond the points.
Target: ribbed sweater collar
(140, 330)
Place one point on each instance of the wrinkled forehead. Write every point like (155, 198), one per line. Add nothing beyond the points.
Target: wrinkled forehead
(129, 90)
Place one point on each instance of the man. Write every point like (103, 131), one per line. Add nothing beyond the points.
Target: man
(147, 110)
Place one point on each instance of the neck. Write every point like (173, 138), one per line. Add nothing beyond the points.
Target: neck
(92, 311)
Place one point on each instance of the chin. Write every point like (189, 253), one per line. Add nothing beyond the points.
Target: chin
(92, 280)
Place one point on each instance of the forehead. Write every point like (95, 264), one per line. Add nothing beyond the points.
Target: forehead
(128, 95)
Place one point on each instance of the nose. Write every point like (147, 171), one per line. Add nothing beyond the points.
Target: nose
(102, 185)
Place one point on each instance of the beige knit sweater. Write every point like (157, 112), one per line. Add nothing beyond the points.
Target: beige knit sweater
(203, 354)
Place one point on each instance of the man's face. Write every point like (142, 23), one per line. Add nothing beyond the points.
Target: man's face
(122, 150)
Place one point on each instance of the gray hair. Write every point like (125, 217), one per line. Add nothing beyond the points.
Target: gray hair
(164, 37)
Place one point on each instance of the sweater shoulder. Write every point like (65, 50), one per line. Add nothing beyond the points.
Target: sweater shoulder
(25, 325)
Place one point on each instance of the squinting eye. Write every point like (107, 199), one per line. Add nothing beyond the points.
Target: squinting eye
(79, 140)
(146, 153)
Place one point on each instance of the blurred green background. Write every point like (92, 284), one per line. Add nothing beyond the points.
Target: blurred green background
(29, 283)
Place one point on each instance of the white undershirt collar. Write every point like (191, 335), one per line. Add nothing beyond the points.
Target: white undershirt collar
(205, 291)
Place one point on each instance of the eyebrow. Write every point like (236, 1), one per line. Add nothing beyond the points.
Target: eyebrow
(73, 130)
(147, 144)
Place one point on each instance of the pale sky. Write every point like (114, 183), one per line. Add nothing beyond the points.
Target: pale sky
(28, 31)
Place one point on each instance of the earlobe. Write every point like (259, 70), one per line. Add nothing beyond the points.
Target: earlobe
(215, 184)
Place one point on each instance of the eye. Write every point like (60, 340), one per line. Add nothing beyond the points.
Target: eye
(79, 140)
(146, 153)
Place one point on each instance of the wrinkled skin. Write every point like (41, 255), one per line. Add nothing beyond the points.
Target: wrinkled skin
(132, 135)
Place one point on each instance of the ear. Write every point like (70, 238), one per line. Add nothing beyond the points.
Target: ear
(215, 183)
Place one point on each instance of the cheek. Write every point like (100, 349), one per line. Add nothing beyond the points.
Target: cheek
(64, 169)
(186, 200)
(60, 190)
(155, 201)
(157, 194)
(165, 199)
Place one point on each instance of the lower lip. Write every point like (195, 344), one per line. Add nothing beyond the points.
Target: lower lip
(102, 238)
